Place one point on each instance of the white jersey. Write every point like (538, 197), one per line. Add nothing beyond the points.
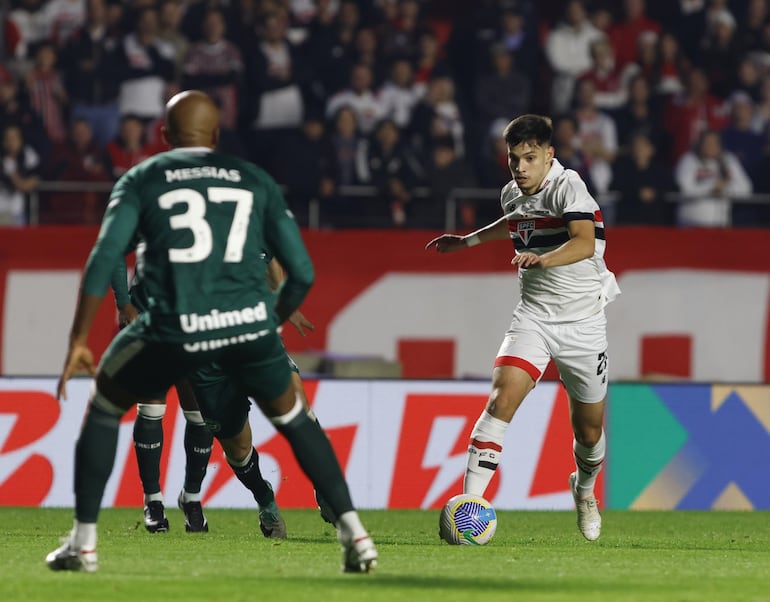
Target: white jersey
(538, 223)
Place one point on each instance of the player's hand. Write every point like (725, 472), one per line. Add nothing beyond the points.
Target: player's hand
(446, 243)
(300, 322)
(527, 260)
(79, 357)
(127, 314)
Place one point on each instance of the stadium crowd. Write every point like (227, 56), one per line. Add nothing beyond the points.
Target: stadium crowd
(406, 97)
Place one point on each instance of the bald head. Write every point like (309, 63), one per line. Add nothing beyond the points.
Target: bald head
(192, 119)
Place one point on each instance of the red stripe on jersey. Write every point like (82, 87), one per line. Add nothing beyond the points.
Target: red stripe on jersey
(598, 216)
(541, 223)
(517, 362)
(486, 445)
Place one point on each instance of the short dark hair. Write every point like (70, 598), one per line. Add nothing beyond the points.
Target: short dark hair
(529, 128)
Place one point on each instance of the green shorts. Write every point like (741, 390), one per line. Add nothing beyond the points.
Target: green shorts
(147, 369)
(223, 404)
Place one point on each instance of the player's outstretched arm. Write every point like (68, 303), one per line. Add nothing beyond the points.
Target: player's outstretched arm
(447, 243)
(300, 322)
(79, 356)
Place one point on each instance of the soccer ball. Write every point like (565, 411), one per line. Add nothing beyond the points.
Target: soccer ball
(467, 519)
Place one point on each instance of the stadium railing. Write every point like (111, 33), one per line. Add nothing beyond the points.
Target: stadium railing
(315, 217)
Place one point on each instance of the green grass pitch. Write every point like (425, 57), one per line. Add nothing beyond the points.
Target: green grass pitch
(534, 556)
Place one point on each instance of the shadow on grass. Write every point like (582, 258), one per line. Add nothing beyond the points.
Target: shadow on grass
(473, 585)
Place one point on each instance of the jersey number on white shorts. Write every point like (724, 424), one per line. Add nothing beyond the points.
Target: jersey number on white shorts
(194, 219)
(602, 363)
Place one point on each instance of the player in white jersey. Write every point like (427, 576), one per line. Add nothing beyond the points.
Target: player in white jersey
(558, 235)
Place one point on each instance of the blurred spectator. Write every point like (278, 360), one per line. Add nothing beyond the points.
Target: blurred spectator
(15, 109)
(762, 109)
(739, 137)
(387, 163)
(147, 68)
(65, 17)
(518, 39)
(646, 61)
(624, 35)
(129, 148)
(642, 113)
(31, 23)
(610, 81)
(762, 52)
(601, 17)
(302, 12)
(195, 11)
(361, 97)
(689, 23)
(598, 135)
(330, 45)
(249, 16)
(47, 96)
(672, 67)
(346, 139)
(78, 159)
(748, 78)
(437, 116)
(445, 172)
(429, 60)
(642, 181)
(400, 35)
(721, 53)
(689, 114)
(214, 66)
(502, 91)
(115, 19)
(708, 177)
(761, 179)
(274, 86)
(751, 25)
(567, 49)
(566, 143)
(493, 166)
(307, 152)
(399, 94)
(366, 51)
(18, 176)
(92, 72)
(169, 23)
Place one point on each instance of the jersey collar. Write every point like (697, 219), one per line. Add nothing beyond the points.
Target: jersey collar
(556, 170)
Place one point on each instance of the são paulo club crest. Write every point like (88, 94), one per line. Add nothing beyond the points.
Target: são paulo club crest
(525, 228)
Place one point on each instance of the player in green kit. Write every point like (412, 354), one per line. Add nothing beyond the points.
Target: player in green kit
(205, 218)
(148, 439)
(207, 386)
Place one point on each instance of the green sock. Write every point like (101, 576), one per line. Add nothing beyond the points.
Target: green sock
(148, 445)
(318, 497)
(316, 457)
(94, 458)
(197, 447)
(250, 475)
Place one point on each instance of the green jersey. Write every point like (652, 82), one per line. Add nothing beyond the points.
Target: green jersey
(205, 220)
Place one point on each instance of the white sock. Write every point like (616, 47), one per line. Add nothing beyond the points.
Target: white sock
(350, 526)
(83, 536)
(194, 417)
(189, 497)
(484, 452)
(589, 462)
(290, 415)
(153, 497)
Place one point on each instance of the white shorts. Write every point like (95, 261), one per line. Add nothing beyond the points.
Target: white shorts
(579, 350)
